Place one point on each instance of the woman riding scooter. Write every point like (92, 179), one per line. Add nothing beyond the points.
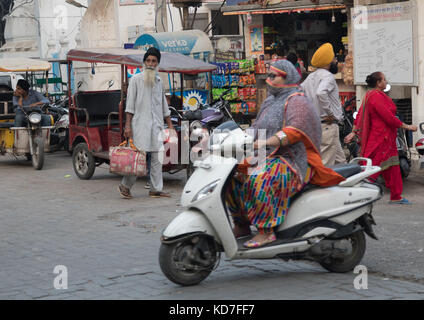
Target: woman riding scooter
(293, 136)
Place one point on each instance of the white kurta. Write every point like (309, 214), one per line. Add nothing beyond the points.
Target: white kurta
(149, 107)
(321, 87)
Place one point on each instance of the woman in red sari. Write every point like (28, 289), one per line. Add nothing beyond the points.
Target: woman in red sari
(376, 128)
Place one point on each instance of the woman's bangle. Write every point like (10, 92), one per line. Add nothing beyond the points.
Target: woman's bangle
(280, 136)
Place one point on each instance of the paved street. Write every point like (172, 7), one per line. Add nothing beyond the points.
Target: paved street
(110, 245)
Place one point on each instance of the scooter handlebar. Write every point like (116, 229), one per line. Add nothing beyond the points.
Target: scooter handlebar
(358, 159)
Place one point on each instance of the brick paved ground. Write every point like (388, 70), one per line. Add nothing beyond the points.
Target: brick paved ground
(110, 245)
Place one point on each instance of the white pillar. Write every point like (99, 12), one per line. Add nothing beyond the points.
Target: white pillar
(417, 93)
(64, 42)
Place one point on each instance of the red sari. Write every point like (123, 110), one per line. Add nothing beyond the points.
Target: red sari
(377, 126)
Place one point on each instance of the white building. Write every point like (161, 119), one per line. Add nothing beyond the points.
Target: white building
(32, 26)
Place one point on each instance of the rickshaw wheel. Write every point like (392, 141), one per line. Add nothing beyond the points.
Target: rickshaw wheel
(83, 161)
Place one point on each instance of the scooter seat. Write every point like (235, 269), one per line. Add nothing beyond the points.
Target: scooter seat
(347, 170)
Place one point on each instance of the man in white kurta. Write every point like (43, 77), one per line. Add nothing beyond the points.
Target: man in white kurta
(321, 87)
(146, 109)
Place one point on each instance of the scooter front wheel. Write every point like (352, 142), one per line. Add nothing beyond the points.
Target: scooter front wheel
(189, 261)
(38, 156)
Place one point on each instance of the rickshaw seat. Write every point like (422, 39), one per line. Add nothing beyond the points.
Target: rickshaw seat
(6, 125)
(98, 106)
(10, 116)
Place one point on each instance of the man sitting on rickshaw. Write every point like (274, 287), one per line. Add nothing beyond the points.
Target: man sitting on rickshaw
(31, 100)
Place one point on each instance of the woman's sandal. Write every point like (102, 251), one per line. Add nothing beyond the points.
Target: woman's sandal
(256, 244)
(401, 201)
(124, 191)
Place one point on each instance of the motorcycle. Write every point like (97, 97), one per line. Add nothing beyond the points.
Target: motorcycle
(36, 138)
(346, 126)
(210, 116)
(326, 225)
(59, 135)
(419, 146)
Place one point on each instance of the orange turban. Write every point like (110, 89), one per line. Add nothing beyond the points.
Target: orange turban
(323, 56)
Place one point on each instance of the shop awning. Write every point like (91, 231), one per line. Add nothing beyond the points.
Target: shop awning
(170, 61)
(238, 7)
(23, 65)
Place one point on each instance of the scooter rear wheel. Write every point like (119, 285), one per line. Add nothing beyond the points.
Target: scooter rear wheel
(349, 262)
(189, 261)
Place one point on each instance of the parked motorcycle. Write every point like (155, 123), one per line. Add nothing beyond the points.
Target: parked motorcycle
(325, 225)
(210, 116)
(404, 153)
(419, 146)
(59, 134)
(346, 126)
(36, 138)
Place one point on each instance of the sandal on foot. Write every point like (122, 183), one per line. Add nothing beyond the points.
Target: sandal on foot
(401, 201)
(256, 244)
(124, 191)
(159, 194)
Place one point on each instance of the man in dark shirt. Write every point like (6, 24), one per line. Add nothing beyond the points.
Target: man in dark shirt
(31, 100)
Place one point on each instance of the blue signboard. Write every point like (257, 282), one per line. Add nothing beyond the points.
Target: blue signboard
(180, 44)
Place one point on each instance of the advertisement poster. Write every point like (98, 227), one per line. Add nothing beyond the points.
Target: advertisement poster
(256, 40)
(192, 98)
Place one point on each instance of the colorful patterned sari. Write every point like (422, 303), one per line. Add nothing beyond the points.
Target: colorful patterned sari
(266, 193)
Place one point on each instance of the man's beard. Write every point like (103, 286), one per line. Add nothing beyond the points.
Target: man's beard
(150, 75)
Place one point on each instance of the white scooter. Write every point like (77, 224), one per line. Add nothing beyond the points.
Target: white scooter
(326, 225)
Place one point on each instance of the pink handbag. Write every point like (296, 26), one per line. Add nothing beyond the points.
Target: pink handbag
(127, 160)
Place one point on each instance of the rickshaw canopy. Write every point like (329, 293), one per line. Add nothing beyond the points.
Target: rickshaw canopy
(23, 65)
(170, 62)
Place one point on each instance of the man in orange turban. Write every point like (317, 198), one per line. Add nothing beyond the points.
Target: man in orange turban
(321, 87)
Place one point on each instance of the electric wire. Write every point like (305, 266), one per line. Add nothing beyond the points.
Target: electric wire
(213, 19)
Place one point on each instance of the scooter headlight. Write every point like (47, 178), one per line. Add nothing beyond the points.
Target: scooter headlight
(206, 191)
(34, 118)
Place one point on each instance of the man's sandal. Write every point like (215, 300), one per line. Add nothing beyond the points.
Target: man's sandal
(159, 194)
(256, 244)
(124, 191)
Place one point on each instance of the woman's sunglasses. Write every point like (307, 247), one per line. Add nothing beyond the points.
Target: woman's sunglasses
(272, 76)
